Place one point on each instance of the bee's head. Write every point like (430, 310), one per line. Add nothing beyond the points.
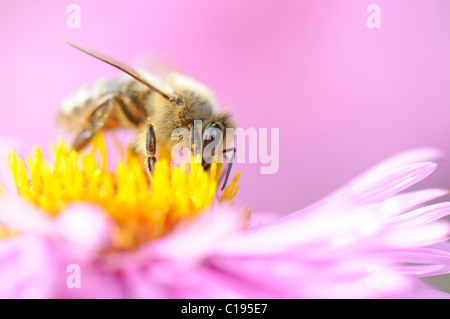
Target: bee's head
(208, 137)
(215, 141)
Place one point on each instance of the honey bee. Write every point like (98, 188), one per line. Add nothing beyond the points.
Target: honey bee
(152, 106)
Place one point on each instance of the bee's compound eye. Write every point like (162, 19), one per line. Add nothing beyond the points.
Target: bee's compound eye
(211, 130)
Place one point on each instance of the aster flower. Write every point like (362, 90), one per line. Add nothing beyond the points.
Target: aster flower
(366, 240)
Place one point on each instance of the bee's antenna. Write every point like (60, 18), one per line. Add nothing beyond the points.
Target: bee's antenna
(134, 74)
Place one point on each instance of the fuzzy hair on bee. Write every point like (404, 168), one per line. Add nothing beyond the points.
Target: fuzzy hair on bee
(155, 108)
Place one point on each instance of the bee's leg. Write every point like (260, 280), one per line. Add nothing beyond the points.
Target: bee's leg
(150, 148)
(82, 139)
(229, 166)
(96, 122)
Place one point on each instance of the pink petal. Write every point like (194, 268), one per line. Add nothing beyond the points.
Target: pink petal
(424, 270)
(377, 189)
(26, 268)
(397, 162)
(386, 167)
(423, 255)
(261, 218)
(85, 225)
(16, 214)
(406, 201)
(324, 228)
(432, 261)
(192, 240)
(423, 291)
(324, 219)
(368, 191)
(417, 236)
(423, 215)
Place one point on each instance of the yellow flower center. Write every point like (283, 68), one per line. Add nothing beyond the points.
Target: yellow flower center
(143, 208)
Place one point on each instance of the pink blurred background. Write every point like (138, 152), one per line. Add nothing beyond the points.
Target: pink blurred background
(343, 96)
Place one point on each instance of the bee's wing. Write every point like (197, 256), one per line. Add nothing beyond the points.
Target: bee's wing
(131, 72)
(157, 65)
